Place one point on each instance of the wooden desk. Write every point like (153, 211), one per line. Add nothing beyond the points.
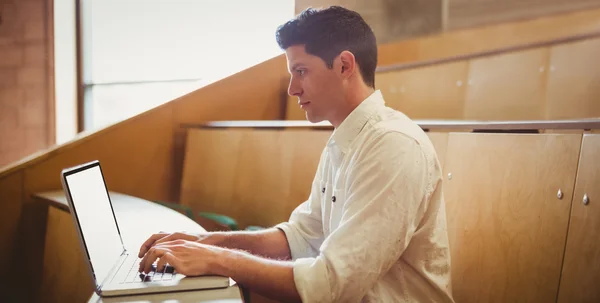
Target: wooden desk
(137, 219)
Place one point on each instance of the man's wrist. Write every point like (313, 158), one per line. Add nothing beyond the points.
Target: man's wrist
(214, 238)
(220, 260)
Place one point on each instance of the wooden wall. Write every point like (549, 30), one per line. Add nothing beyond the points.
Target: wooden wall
(550, 83)
(141, 156)
(26, 78)
(507, 226)
(468, 13)
(488, 38)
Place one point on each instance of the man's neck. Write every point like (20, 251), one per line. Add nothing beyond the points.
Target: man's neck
(352, 100)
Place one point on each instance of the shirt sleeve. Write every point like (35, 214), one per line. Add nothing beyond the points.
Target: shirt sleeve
(304, 229)
(386, 194)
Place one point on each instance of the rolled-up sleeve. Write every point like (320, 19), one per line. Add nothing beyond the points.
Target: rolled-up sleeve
(304, 229)
(385, 198)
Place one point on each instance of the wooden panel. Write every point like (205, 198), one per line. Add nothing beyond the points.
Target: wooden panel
(488, 38)
(256, 93)
(573, 89)
(440, 143)
(507, 87)
(581, 269)
(11, 192)
(506, 225)
(293, 111)
(426, 93)
(255, 176)
(65, 274)
(469, 13)
(136, 158)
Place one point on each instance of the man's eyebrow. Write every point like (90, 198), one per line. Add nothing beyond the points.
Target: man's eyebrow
(295, 66)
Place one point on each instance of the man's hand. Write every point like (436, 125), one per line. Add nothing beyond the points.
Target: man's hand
(187, 257)
(163, 237)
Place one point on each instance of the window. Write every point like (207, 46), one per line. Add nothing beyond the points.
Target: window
(138, 54)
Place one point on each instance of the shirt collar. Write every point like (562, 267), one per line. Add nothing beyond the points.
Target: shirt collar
(344, 134)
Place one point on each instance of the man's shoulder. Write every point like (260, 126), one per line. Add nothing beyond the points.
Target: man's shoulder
(392, 125)
(394, 130)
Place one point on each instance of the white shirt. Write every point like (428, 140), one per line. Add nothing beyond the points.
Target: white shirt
(374, 226)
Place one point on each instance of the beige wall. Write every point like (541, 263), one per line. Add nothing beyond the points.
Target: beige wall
(26, 105)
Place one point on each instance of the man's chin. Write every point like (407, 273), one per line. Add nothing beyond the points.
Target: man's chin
(313, 119)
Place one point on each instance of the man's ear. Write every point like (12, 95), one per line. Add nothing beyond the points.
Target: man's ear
(348, 64)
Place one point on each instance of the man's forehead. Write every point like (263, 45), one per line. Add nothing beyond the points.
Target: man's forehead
(296, 56)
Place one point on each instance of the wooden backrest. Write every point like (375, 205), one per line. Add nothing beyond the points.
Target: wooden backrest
(434, 92)
(556, 82)
(573, 83)
(256, 176)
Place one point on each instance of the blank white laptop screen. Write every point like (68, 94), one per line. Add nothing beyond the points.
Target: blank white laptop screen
(96, 220)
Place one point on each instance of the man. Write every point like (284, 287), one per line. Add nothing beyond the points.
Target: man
(374, 226)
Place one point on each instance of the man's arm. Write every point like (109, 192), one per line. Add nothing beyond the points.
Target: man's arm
(271, 278)
(269, 243)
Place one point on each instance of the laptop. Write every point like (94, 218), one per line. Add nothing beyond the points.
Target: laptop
(113, 269)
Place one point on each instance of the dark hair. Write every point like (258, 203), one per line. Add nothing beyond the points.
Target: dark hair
(327, 32)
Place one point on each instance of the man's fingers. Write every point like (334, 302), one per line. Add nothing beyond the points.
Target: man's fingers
(168, 238)
(148, 243)
(167, 258)
(153, 254)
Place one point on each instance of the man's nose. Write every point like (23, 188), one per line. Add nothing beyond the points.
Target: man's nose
(294, 89)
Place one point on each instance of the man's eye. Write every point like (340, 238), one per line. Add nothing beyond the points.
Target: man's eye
(300, 72)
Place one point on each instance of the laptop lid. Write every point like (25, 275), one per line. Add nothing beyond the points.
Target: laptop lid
(93, 214)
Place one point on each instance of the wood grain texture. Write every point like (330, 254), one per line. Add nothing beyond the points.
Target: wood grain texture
(65, 274)
(254, 176)
(487, 38)
(506, 225)
(11, 188)
(440, 143)
(135, 159)
(507, 87)
(573, 89)
(292, 110)
(436, 92)
(468, 13)
(257, 92)
(581, 269)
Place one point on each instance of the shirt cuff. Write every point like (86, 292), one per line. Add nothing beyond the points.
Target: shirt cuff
(294, 240)
(310, 277)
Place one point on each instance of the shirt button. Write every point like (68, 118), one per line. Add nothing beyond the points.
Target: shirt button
(333, 198)
(323, 190)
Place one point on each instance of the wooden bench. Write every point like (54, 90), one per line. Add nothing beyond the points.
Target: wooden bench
(512, 197)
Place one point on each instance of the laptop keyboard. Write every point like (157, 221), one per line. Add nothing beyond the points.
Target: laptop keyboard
(133, 275)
